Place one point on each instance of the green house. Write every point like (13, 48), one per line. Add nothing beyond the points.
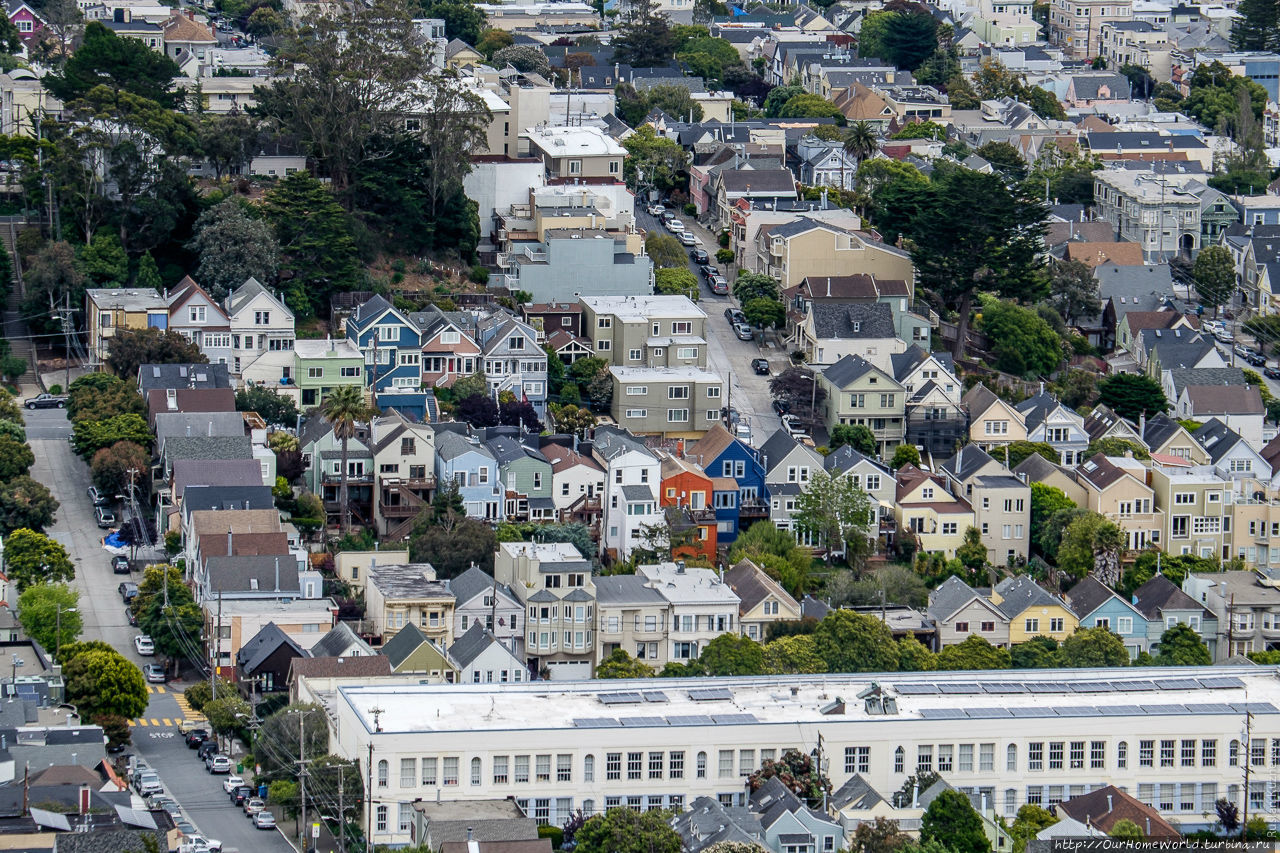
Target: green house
(410, 652)
(526, 476)
(322, 365)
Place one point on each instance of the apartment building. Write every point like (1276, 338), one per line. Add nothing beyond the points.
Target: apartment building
(576, 152)
(553, 581)
(1158, 210)
(702, 606)
(642, 331)
(1076, 25)
(1247, 605)
(1001, 503)
(1197, 519)
(675, 402)
(408, 594)
(633, 616)
(857, 392)
(1139, 43)
(108, 309)
(1007, 22)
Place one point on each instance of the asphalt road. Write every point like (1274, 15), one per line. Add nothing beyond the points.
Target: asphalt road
(726, 355)
(155, 733)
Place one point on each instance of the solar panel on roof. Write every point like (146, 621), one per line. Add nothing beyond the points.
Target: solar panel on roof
(1077, 711)
(1211, 708)
(655, 696)
(28, 690)
(733, 718)
(1028, 712)
(1043, 687)
(1116, 710)
(1164, 710)
(594, 723)
(689, 720)
(708, 694)
(915, 689)
(1224, 683)
(987, 713)
(959, 689)
(642, 721)
(942, 713)
(1091, 687)
(1003, 687)
(1177, 684)
(620, 698)
(1253, 707)
(1133, 686)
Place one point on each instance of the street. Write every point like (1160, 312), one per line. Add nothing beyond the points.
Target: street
(726, 355)
(155, 734)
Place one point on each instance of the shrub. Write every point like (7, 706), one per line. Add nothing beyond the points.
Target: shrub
(479, 274)
(690, 209)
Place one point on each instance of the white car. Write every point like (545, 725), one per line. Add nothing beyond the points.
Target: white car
(675, 225)
(231, 783)
(199, 844)
(687, 239)
(143, 644)
(655, 210)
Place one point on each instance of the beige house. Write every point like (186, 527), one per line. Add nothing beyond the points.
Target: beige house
(936, 517)
(959, 612)
(1165, 437)
(811, 248)
(646, 330)
(408, 594)
(1001, 503)
(1192, 499)
(1076, 25)
(1139, 43)
(576, 152)
(763, 600)
(676, 402)
(1116, 487)
(993, 422)
(108, 309)
(632, 616)
(858, 392)
(352, 567)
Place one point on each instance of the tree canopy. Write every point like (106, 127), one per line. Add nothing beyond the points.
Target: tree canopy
(33, 558)
(1130, 395)
(622, 830)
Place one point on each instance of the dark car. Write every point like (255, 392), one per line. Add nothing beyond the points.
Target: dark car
(699, 256)
(707, 270)
(207, 750)
(1255, 358)
(120, 564)
(241, 793)
(128, 591)
(1271, 372)
(131, 617)
(734, 315)
(46, 401)
(781, 406)
(195, 737)
(760, 366)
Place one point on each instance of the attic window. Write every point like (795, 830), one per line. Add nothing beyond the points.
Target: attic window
(1090, 466)
(857, 326)
(871, 381)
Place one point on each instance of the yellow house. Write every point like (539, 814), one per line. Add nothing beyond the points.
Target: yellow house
(762, 600)
(992, 421)
(1033, 611)
(108, 309)
(811, 248)
(923, 506)
(1166, 437)
(1117, 488)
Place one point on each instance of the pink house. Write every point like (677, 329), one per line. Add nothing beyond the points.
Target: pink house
(25, 19)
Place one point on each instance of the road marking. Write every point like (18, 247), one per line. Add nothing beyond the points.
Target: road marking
(133, 723)
(160, 689)
(142, 721)
(154, 721)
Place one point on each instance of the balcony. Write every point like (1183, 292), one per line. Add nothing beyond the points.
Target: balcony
(753, 509)
(330, 479)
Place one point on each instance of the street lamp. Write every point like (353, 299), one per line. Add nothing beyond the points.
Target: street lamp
(57, 642)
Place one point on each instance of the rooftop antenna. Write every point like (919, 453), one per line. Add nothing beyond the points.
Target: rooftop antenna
(377, 715)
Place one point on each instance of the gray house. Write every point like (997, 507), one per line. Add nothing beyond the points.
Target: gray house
(959, 610)
(479, 600)
(462, 459)
(788, 466)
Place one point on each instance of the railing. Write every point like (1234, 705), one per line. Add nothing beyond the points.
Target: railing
(753, 508)
(352, 479)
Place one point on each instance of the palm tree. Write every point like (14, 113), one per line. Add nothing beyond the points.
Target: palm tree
(344, 408)
(860, 143)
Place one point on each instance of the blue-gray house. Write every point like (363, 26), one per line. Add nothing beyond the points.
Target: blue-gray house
(462, 459)
(1098, 606)
(392, 348)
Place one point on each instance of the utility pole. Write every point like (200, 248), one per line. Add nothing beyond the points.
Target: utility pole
(302, 775)
(368, 798)
(217, 651)
(342, 812)
(1247, 758)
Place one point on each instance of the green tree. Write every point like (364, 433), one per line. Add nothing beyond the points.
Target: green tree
(1093, 647)
(147, 275)
(286, 730)
(319, 254)
(176, 628)
(25, 502)
(858, 436)
(32, 558)
(462, 20)
(787, 655)
(1214, 273)
(1030, 821)
(676, 282)
(732, 654)
(226, 712)
(622, 830)
(111, 467)
(750, 286)
(233, 247)
(972, 553)
(645, 38)
(122, 64)
(1113, 446)
(1130, 395)
(836, 512)
(765, 313)
(104, 261)
(132, 348)
(1073, 290)
(1092, 544)
(105, 682)
(1040, 652)
(890, 584)
(661, 161)
(914, 656)
(524, 58)
(88, 437)
(798, 772)
(776, 552)
(491, 41)
(905, 454)
(1182, 646)
(1023, 343)
(880, 836)
(619, 664)
(1069, 175)
(451, 542)
(974, 653)
(344, 409)
(952, 820)
(43, 609)
(16, 458)
(1257, 27)
(275, 409)
(855, 642)
(905, 38)
(1127, 830)
(52, 275)
(1045, 502)
(806, 105)
(1013, 453)
(665, 251)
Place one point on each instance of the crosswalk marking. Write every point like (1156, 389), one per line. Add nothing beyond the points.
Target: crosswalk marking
(155, 722)
(142, 721)
(156, 688)
(133, 722)
(167, 722)
(160, 688)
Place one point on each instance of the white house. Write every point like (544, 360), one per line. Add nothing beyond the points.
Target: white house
(574, 476)
(632, 477)
(481, 659)
(703, 606)
(262, 333)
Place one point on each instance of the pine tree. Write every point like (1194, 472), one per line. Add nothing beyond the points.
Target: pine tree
(1257, 26)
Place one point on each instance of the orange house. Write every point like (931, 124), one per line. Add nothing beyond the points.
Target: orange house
(686, 490)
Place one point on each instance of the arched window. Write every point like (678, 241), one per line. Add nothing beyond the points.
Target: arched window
(382, 773)
(475, 771)
(1233, 753)
(1011, 757)
(702, 765)
(589, 768)
(1122, 755)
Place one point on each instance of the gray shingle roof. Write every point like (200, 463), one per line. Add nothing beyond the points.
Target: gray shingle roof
(951, 595)
(474, 582)
(1019, 593)
(451, 445)
(858, 321)
(236, 574)
(339, 641)
(776, 449)
(208, 447)
(758, 181)
(1159, 430)
(264, 644)
(905, 362)
(1087, 596)
(1216, 438)
(966, 462)
(406, 641)
(632, 494)
(1181, 377)
(625, 589)
(845, 457)
(151, 376)
(226, 497)
(848, 369)
(470, 645)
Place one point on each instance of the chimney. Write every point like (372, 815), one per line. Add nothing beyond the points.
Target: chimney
(469, 835)
(915, 796)
(84, 799)
(1109, 804)
(191, 14)
(228, 541)
(1142, 424)
(277, 574)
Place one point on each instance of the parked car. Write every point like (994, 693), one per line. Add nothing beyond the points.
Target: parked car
(240, 794)
(218, 764)
(656, 210)
(128, 591)
(743, 331)
(760, 366)
(1271, 372)
(199, 844)
(120, 564)
(706, 270)
(155, 673)
(1255, 358)
(781, 406)
(97, 498)
(719, 284)
(206, 749)
(195, 737)
(1241, 350)
(1224, 335)
(232, 782)
(687, 239)
(734, 315)
(264, 820)
(47, 401)
(794, 428)
(253, 805)
(104, 517)
(143, 644)
(699, 256)
(668, 217)
(675, 225)
(131, 617)
(148, 783)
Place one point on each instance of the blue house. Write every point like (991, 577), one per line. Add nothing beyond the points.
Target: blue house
(1098, 606)
(392, 347)
(722, 456)
(461, 458)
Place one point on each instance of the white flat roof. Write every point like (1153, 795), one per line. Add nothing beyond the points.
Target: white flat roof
(332, 348)
(788, 700)
(574, 142)
(641, 308)
(664, 374)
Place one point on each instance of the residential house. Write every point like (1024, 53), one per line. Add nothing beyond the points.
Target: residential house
(1168, 439)
(1191, 498)
(155, 377)
(788, 466)
(934, 411)
(874, 478)
(812, 248)
(751, 187)
(761, 600)
(189, 400)
(526, 479)
(1049, 421)
(512, 359)
(959, 612)
(825, 164)
(480, 600)
(1232, 457)
(925, 508)
(1032, 611)
(1246, 606)
(1104, 807)
(686, 495)
(1036, 469)
(182, 32)
(321, 366)
(567, 260)
(1176, 380)
(1001, 503)
(554, 583)
(1158, 351)
(830, 332)
(578, 152)
(262, 335)
(547, 318)
(391, 344)
(322, 452)
(342, 642)
(724, 456)
(786, 820)
(197, 316)
(1237, 406)
(108, 309)
(859, 393)
(1097, 605)
(481, 658)
(1000, 22)
(1132, 324)
(1165, 606)
(463, 460)
(1103, 422)
(993, 422)
(632, 473)
(632, 616)
(262, 663)
(856, 289)
(404, 466)
(411, 652)
(1160, 211)
(575, 477)
(25, 20)
(449, 348)
(352, 567)
(1117, 488)
(316, 675)
(499, 824)
(702, 606)
(408, 594)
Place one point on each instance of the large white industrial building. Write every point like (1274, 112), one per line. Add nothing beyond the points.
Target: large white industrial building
(1178, 739)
